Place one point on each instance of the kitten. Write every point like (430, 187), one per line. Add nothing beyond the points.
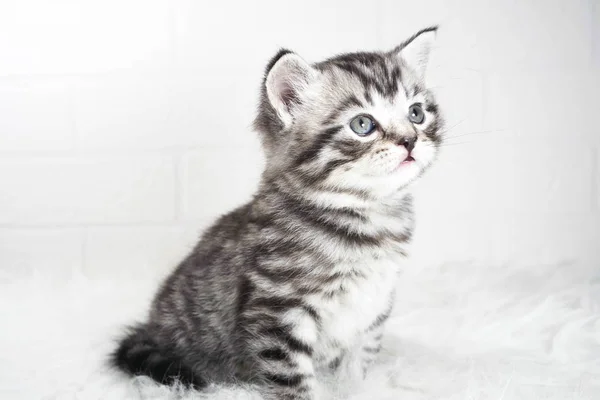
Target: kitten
(301, 279)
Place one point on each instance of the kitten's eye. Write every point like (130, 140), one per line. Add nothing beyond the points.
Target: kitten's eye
(416, 114)
(362, 125)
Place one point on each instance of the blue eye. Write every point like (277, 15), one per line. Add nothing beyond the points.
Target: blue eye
(362, 125)
(416, 114)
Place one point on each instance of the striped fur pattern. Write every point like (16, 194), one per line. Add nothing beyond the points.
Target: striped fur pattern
(300, 280)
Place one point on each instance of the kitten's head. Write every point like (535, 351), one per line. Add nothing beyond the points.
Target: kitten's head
(361, 121)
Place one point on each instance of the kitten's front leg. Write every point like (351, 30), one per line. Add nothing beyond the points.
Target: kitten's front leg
(353, 364)
(282, 360)
(292, 380)
(371, 347)
(371, 343)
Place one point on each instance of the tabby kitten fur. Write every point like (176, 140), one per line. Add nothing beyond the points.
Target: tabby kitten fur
(300, 281)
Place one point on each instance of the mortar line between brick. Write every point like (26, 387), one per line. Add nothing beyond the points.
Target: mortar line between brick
(595, 179)
(84, 246)
(379, 22)
(485, 77)
(76, 141)
(87, 226)
(122, 153)
(594, 31)
(178, 190)
(172, 33)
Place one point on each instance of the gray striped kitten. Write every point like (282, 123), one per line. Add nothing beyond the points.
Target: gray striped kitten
(300, 281)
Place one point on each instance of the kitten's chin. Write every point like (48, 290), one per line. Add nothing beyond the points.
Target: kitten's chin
(393, 182)
(381, 181)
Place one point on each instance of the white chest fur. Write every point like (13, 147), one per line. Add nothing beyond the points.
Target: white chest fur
(348, 313)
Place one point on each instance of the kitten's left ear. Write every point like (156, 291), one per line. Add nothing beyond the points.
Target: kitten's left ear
(415, 51)
(288, 76)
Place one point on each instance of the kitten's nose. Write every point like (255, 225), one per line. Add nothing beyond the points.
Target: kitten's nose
(408, 142)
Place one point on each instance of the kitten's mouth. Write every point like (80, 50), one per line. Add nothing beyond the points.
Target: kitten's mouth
(408, 160)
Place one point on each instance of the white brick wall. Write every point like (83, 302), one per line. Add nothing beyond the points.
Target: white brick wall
(72, 191)
(48, 100)
(125, 125)
(74, 37)
(134, 250)
(595, 17)
(27, 251)
(216, 180)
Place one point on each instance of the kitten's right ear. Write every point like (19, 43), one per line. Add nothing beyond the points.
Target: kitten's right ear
(288, 76)
(415, 51)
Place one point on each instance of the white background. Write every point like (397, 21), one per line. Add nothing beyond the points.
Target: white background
(125, 125)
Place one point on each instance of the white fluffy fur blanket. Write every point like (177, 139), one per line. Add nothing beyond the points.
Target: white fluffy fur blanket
(458, 332)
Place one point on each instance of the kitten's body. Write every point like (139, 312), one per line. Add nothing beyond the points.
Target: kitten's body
(301, 279)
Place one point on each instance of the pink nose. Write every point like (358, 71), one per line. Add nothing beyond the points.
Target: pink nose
(408, 142)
